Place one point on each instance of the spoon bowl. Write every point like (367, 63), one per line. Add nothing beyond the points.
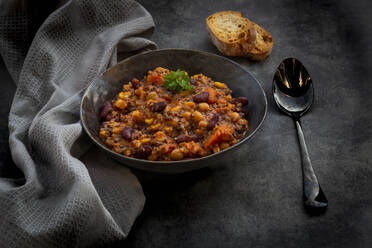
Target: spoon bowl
(293, 93)
(293, 88)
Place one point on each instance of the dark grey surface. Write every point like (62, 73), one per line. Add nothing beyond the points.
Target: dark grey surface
(257, 201)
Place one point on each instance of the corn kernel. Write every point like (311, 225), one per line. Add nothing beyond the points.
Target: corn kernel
(230, 106)
(216, 149)
(184, 93)
(186, 115)
(150, 101)
(228, 97)
(103, 133)
(155, 126)
(149, 121)
(121, 104)
(123, 95)
(190, 104)
(145, 140)
(136, 143)
(219, 85)
(168, 129)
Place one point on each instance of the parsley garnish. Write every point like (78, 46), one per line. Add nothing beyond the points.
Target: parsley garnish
(177, 81)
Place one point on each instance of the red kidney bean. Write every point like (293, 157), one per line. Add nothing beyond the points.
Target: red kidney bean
(158, 106)
(194, 137)
(108, 117)
(186, 138)
(135, 85)
(106, 108)
(242, 113)
(192, 81)
(243, 100)
(201, 97)
(212, 122)
(127, 133)
(182, 138)
(143, 151)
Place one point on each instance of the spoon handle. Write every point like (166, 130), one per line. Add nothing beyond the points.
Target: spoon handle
(314, 196)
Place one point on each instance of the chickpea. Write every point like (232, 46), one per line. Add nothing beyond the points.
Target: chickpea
(224, 145)
(203, 124)
(152, 157)
(234, 116)
(116, 130)
(176, 109)
(197, 116)
(137, 116)
(203, 106)
(216, 149)
(186, 115)
(152, 95)
(173, 122)
(176, 154)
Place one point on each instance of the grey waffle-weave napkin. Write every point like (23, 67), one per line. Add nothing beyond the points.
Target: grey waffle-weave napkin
(65, 200)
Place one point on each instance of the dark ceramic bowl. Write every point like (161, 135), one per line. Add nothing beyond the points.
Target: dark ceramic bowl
(240, 81)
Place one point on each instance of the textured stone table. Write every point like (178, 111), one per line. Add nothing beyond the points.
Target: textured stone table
(257, 200)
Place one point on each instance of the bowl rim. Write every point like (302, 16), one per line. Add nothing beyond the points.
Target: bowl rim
(182, 162)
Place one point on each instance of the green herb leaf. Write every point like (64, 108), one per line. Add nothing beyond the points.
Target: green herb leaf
(177, 81)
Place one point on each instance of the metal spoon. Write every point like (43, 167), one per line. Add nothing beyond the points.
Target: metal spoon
(294, 93)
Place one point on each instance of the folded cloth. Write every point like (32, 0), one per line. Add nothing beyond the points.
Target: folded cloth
(70, 195)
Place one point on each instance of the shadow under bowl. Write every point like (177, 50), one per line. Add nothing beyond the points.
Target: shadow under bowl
(106, 86)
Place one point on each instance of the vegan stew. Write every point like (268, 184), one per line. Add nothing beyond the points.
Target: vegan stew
(169, 115)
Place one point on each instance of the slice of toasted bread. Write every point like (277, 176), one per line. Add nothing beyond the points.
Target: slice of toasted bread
(235, 35)
(231, 33)
(263, 47)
